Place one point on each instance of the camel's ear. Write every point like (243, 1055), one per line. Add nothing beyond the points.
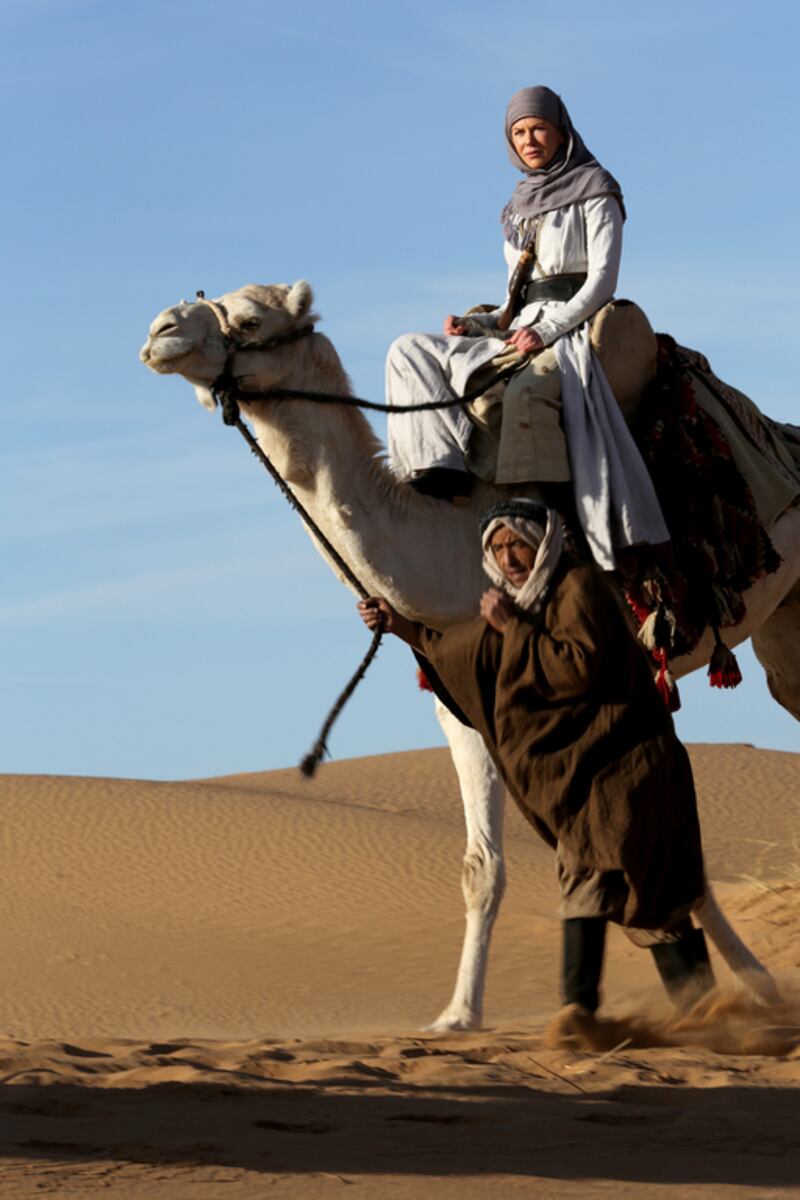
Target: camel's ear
(299, 299)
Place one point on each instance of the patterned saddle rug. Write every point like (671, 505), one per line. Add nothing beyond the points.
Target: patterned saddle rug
(720, 546)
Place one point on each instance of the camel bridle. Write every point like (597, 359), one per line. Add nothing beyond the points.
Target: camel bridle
(227, 395)
(224, 386)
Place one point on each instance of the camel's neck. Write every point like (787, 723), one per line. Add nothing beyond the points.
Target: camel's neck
(421, 554)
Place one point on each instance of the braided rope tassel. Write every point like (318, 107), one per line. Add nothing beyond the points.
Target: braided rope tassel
(309, 764)
(318, 751)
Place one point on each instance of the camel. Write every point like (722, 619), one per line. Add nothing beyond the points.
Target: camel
(423, 556)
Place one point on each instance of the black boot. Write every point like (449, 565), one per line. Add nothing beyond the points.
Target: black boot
(443, 483)
(684, 966)
(584, 940)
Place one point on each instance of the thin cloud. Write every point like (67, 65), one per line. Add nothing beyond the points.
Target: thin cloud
(122, 484)
(252, 587)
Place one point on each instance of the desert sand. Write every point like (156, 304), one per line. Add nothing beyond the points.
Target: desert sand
(216, 988)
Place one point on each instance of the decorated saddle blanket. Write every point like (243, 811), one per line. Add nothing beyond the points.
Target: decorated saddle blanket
(767, 436)
(704, 444)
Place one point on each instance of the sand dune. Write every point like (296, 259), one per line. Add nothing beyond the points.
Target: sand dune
(215, 987)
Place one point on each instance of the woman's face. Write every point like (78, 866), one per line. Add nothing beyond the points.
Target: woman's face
(536, 141)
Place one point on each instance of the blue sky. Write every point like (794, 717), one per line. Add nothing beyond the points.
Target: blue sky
(162, 616)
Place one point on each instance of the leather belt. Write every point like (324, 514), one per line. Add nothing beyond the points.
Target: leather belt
(552, 287)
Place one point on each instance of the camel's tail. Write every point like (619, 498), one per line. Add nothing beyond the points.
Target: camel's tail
(744, 964)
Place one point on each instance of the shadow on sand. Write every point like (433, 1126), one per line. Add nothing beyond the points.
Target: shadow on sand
(665, 1134)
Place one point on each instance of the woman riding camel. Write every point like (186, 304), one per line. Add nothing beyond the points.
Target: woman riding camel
(563, 240)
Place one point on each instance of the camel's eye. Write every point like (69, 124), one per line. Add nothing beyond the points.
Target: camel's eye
(250, 325)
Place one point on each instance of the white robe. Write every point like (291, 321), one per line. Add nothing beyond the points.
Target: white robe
(615, 499)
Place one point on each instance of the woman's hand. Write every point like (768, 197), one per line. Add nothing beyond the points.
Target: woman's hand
(375, 610)
(496, 609)
(526, 341)
(454, 326)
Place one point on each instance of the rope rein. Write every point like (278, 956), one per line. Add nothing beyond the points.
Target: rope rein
(222, 390)
(296, 504)
(229, 397)
(311, 761)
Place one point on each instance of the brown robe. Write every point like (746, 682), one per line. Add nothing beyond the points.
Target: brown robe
(568, 708)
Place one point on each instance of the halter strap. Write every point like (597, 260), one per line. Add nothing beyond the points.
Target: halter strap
(218, 311)
(277, 339)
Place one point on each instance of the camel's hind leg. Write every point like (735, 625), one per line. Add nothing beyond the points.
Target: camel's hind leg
(483, 874)
(744, 964)
(777, 647)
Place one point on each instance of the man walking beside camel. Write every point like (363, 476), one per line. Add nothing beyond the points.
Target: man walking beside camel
(562, 693)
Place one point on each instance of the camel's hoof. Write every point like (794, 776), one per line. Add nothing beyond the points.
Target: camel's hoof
(453, 1023)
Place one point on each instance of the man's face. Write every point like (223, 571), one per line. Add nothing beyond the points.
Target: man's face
(513, 555)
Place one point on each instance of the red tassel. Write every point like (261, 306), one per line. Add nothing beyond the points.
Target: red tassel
(667, 687)
(422, 681)
(723, 670)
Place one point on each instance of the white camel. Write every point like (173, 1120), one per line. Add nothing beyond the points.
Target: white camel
(423, 556)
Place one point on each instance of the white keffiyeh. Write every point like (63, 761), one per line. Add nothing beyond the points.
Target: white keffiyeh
(543, 531)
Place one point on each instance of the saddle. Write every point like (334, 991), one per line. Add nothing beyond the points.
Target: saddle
(624, 341)
(518, 435)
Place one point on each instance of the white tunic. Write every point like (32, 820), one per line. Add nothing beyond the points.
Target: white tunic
(581, 238)
(614, 496)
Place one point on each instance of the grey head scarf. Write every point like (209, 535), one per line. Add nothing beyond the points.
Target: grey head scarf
(574, 173)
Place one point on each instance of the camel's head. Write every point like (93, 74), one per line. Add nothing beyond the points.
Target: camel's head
(197, 340)
(186, 340)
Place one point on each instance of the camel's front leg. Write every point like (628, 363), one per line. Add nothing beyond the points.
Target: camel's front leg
(483, 874)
